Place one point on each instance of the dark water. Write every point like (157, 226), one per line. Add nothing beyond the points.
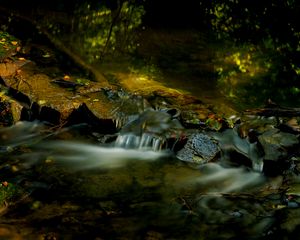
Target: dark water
(81, 189)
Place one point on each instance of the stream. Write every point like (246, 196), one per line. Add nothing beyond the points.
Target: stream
(65, 189)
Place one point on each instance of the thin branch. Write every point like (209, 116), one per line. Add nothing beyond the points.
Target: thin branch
(113, 23)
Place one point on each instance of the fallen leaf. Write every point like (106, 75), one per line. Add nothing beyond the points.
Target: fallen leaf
(66, 77)
(42, 102)
(47, 55)
(5, 184)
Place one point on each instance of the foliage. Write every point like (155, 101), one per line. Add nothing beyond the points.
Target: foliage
(101, 31)
(149, 70)
(266, 52)
(8, 191)
(253, 21)
(8, 45)
(249, 74)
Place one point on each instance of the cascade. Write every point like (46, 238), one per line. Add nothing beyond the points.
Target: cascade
(150, 130)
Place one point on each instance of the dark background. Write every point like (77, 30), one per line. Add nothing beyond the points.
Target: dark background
(161, 13)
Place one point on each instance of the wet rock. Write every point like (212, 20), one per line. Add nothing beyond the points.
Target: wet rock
(289, 222)
(259, 124)
(9, 232)
(230, 142)
(293, 191)
(276, 143)
(10, 111)
(128, 106)
(10, 68)
(83, 114)
(152, 235)
(291, 125)
(47, 101)
(198, 149)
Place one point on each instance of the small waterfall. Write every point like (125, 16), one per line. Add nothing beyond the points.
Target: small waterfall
(144, 142)
(148, 131)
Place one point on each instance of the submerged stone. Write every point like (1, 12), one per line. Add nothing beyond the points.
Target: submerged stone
(198, 149)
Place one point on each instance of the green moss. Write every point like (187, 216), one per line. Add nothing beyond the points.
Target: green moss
(8, 192)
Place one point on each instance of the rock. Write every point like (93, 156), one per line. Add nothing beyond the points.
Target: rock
(46, 101)
(259, 124)
(10, 111)
(276, 143)
(11, 68)
(198, 149)
(230, 141)
(9, 232)
(289, 223)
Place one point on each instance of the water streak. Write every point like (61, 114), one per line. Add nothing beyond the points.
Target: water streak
(144, 142)
(224, 180)
(81, 156)
(22, 133)
(149, 130)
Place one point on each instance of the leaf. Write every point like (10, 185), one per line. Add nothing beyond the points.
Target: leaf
(67, 77)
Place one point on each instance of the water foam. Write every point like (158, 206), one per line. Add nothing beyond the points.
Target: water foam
(84, 156)
(225, 180)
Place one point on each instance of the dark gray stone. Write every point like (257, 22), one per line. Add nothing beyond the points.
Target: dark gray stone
(198, 149)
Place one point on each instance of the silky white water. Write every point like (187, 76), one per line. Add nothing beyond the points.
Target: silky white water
(127, 149)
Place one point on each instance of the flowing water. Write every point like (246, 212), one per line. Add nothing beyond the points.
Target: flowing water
(126, 189)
